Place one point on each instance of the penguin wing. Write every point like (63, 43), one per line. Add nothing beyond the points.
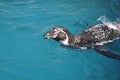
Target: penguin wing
(105, 52)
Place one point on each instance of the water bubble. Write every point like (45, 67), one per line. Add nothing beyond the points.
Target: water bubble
(104, 19)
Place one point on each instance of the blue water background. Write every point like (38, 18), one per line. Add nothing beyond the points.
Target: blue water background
(25, 55)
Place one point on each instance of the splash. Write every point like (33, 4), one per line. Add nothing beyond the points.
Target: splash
(104, 19)
(107, 22)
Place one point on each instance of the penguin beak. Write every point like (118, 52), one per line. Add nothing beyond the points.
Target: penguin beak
(46, 36)
(50, 35)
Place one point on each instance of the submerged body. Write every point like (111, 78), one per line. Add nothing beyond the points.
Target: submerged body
(95, 37)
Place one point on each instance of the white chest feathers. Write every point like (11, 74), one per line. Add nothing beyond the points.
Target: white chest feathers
(66, 41)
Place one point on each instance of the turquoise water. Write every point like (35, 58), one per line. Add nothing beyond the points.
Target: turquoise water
(25, 55)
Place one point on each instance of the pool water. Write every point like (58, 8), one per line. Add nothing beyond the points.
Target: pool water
(25, 55)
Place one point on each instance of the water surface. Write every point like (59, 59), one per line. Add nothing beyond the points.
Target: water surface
(25, 55)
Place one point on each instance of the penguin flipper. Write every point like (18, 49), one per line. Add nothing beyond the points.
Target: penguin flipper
(105, 52)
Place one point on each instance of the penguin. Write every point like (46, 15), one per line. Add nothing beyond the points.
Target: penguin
(96, 38)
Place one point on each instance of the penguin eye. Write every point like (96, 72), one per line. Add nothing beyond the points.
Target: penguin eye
(55, 31)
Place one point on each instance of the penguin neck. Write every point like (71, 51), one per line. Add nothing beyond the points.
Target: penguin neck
(69, 39)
